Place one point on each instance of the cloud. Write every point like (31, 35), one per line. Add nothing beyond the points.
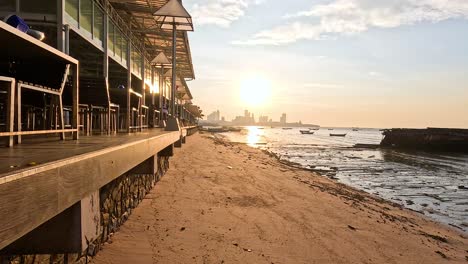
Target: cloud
(221, 12)
(323, 85)
(348, 17)
(375, 74)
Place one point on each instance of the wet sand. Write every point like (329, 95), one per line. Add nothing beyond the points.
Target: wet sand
(229, 203)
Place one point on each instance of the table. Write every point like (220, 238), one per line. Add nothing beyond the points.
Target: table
(40, 66)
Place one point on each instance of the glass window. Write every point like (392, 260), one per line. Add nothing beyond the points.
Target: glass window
(118, 43)
(34, 6)
(133, 63)
(124, 49)
(71, 8)
(8, 5)
(136, 62)
(156, 83)
(98, 23)
(86, 16)
(110, 40)
(168, 90)
(148, 72)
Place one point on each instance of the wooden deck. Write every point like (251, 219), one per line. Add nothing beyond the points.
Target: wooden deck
(39, 180)
(35, 153)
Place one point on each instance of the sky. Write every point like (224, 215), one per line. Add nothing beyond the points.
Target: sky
(360, 63)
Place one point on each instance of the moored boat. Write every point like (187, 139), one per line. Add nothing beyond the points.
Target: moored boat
(307, 132)
(338, 135)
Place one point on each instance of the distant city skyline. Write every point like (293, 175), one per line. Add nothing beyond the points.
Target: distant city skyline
(248, 118)
(216, 116)
(392, 63)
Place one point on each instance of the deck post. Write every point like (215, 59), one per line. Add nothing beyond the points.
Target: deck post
(143, 94)
(62, 123)
(90, 218)
(152, 108)
(66, 29)
(174, 61)
(60, 31)
(161, 93)
(18, 118)
(129, 83)
(106, 70)
(153, 99)
(76, 94)
(11, 111)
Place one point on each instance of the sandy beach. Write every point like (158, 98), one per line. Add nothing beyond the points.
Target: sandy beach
(228, 203)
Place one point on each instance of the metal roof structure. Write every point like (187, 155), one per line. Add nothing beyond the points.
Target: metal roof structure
(143, 26)
(194, 110)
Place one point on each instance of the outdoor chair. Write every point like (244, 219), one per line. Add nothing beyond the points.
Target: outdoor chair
(10, 110)
(144, 116)
(99, 116)
(84, 119)
(114, 117)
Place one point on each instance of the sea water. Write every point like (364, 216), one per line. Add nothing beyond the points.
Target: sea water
(435, 184)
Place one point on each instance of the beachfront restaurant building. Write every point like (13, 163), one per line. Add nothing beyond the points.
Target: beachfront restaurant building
(119, 88)
(106, 77)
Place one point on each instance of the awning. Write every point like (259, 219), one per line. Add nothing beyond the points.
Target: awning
(194, 110)
(183, 91)
(155, 40)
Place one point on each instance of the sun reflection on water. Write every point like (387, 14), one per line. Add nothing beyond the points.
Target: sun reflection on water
(254, 135)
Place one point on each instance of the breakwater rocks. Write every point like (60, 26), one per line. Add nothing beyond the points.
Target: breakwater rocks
(116, 200)
(430, 139)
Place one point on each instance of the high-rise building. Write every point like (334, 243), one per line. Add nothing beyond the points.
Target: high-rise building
(246, 120)
(214, 117)
(283, 119)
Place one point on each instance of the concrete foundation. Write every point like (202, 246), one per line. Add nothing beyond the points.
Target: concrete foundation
(78, 233)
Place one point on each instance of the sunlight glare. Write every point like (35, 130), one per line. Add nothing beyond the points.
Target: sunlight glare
(255, 91)
(253, 135)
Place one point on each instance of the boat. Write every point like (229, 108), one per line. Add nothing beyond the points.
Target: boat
(287, 128)
(314, 128)
(307, 132)
(217, 130)
(355, 129)
(260, 128)
(338, 135)
(222, 129)
(330, 129)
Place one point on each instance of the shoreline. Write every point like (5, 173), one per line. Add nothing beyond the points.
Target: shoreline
(248, 207)
(395, 199)
(298, 166)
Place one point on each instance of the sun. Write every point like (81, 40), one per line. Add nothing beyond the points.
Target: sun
(255, 91)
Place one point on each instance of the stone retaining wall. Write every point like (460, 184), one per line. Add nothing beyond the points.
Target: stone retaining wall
(117, 200)
(121, 196)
